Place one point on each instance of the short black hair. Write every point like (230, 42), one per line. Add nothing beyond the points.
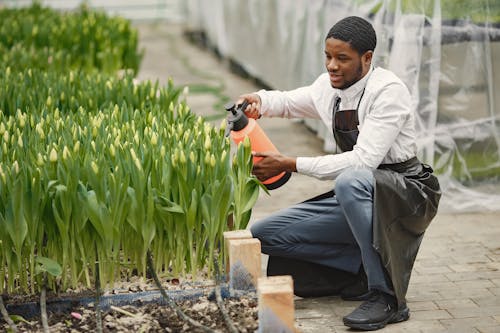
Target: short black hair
(357, 31)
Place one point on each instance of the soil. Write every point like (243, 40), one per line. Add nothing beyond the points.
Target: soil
(151, 317)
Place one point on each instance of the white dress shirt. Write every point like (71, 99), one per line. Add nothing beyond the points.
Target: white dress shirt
(386, 121)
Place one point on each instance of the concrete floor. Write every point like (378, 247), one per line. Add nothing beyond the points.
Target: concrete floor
(455, 285)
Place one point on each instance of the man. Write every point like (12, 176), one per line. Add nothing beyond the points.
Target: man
(371, 226)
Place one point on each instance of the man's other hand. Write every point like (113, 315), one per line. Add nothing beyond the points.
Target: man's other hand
(269, 164)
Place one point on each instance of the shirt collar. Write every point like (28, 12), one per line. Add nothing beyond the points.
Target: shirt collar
(349, 94)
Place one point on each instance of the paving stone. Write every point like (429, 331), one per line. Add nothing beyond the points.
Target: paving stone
(315, 325)
(465, 293)
(456, 304)
(421, 326)
(491, 241)
(494, 276)
(477, 259)
(483, 311)
(495, 291)
(434, 270)
(420, 306)
(488, 329)
(494, 256)
(435, 286)
(426, 252)
(474, 284)
(423, 295)
(430, 315)
(307, 315)
(467, 323)
(417, 279)
(492, 266)
(396, 328)
(456, 329)
(466, 249)
(432, 262)
(487, 301)
(340, 329)
(323, 324)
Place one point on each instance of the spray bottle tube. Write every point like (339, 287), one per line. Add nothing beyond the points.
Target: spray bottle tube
(242, 126)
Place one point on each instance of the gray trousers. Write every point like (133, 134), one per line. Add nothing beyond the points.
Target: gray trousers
(335, 232)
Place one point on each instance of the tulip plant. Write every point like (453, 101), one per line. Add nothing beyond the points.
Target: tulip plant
(99, 173)
(33, 89)
(85, 39)
(109, 184)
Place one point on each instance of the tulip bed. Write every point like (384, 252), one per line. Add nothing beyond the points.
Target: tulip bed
(40, 37)
(103, 177)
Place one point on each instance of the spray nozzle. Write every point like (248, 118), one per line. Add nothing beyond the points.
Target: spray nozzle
(236, 120)
(234, 109)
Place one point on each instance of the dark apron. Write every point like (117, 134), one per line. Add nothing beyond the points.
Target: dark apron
(345, 125)
(406, 198)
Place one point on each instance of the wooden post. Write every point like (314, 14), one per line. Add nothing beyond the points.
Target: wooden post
(245, 263)
(235, 234)
(276, 307)
(229, 235)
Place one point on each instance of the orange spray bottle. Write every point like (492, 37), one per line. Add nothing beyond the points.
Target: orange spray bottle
(241, 126)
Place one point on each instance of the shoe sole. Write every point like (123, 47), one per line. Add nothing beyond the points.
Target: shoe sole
(398, 317)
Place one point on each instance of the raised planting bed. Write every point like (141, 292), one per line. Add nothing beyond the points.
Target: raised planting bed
(124, 310)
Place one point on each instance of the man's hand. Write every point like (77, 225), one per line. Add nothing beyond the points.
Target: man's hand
(254, 103)
(269, 164)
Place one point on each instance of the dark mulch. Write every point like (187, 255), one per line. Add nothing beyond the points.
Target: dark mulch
(152, 318)
(140, 317)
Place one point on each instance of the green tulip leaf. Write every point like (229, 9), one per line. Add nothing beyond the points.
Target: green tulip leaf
(48, 265)
(18, 319)
(163, 204)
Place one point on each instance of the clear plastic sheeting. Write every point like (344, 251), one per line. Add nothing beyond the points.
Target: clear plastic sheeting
(447, 52)
(136, 10)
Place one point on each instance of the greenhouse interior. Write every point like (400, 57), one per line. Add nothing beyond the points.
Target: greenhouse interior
(445, 51)
(86, 202)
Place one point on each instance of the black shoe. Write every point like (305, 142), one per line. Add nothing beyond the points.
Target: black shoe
(358, 291)
(381, 309)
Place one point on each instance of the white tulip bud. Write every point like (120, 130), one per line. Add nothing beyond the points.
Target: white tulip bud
(39, 160)
(112, 150)
(53, 155)
(66, 153)
(208, 142)
(76, 148)
(154, 139)
(15, 166)
(182, 157)
(94, 167)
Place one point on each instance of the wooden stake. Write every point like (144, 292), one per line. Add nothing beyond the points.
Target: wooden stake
(245, 263)
(276, 307)
(229, 235)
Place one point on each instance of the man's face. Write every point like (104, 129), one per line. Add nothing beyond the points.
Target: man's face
(343, 63)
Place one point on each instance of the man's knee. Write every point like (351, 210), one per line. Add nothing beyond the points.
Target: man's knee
(354, 179)
(269, 232)
(258, 230)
